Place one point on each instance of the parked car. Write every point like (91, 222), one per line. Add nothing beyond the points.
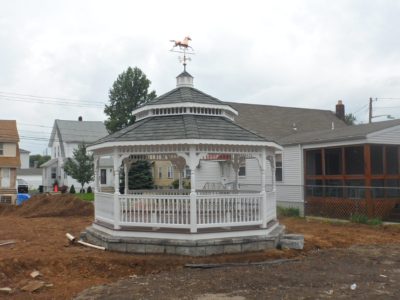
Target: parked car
(22, 186)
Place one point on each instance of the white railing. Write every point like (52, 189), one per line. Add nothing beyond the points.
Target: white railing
(228, 210)
(155, 211)
(173, 211)
(104, 207)
(159, 192)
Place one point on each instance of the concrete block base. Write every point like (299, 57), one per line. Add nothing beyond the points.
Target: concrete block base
(189, 247)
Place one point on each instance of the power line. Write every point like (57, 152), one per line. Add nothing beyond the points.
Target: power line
(55, 98)
(44, 101)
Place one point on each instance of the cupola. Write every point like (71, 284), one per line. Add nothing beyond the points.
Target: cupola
(184, 80)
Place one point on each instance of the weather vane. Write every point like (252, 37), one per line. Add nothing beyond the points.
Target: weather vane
(184, 48)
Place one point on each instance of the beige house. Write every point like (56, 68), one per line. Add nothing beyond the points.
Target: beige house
(165, 173)
(9, 160)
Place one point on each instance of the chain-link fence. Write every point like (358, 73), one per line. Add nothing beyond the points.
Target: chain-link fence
(343, 202)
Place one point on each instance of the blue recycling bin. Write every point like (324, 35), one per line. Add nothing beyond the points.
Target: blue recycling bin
(21, 198)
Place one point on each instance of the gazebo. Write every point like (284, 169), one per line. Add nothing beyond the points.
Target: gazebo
(188, 128)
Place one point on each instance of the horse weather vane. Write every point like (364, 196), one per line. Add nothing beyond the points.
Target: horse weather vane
(184, 48)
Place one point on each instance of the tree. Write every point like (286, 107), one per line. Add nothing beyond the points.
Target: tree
(130, 90)
(350, 119)
(81, 166)
(39, 158)
(140, 176)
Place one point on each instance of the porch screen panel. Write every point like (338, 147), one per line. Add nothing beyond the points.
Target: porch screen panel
(392, 188)
(376, 160)
(378, 188)
(354, 159)
(314, 162)
(333, 161)
(355, 189)
(392, 160)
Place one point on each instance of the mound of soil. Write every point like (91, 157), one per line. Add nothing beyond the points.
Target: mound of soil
(47, 205)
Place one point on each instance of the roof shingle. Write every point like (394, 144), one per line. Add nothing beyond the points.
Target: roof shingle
(183, 127)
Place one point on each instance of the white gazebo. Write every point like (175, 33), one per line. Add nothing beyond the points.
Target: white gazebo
(196, 131)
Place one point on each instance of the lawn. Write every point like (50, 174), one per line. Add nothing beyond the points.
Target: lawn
(86, 196)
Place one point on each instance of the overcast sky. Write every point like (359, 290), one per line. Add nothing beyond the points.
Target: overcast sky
(288, 53)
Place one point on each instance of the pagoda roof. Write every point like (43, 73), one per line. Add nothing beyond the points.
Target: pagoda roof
(183, 127)
(184, 95)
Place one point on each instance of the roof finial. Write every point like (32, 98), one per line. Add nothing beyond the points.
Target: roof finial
(183, 48)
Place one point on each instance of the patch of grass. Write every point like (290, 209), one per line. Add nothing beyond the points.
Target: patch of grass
(85, 196)
(288, 211)
(359, 218)
(375, 221)
(363, 219)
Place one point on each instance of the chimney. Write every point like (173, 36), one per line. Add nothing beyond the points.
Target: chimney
(340, 110)
(80, 119)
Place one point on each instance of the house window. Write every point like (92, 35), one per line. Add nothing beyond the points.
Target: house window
(278, 167)
(53, 173)
(5, 199)
(103, 176)
(186, 172)
(5, 178)
(1, 149)
(242, 169)
(159, 172)
(170, 172)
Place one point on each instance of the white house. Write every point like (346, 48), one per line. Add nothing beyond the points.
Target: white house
(33, 176)
(323, 158)
(65, 137)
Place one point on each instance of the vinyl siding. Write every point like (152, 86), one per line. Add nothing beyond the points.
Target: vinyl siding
(290, 189)
(208, 171)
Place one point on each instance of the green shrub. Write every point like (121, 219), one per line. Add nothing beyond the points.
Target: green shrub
(175, 184)
(288, 211)
(89, 190)
(359, 218)
(72, 189)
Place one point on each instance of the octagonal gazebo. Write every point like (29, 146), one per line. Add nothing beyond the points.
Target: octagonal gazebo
(187, 127)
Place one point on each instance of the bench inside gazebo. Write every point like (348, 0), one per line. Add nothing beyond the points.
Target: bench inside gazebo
(187, 127)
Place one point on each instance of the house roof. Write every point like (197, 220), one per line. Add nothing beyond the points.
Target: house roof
(23, 151)
(8, 131)
(185, 94)
(277, 122)
(30, 171)
(78, 131)
(49, 162)
(183, 127)
(353, 132)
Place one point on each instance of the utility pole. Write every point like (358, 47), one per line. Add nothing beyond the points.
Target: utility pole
(370, 111)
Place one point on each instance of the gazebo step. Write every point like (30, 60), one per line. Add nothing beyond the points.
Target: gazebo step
(245, 241)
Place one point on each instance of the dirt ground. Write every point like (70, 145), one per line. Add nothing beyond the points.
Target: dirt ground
(39, 228)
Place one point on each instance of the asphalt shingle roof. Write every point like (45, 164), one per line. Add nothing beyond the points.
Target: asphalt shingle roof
(183, 127)
(276, 122)
(185, 94)
(79, 131)
(353, 132)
